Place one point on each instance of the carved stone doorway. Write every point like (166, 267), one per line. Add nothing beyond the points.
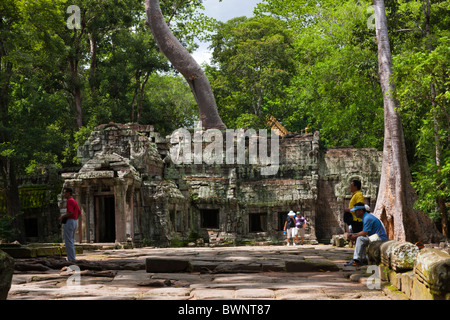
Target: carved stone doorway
(105, 218)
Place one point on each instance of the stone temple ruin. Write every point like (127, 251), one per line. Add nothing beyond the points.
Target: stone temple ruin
(129, 190)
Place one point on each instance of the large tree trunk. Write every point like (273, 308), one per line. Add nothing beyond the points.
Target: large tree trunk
(396, 196)
(185, 64)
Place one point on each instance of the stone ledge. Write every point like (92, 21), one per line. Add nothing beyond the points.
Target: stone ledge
(432, 270)
(35, 250)
(311, 265)
(420, 274)
(397, 255)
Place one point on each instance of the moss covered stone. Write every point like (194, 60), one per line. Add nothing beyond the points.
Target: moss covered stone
(6, 273)
(432, 273)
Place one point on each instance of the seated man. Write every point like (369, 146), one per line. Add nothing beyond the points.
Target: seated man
(373, 230)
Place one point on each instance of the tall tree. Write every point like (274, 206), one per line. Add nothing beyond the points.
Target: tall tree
(396, 195)
(185, 64)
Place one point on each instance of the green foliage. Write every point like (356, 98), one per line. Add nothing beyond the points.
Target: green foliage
(429, 124)
(337, 87)
(249, 121)
(112, 63)
(6, 229)
(170, 104)
(253, 64)
(308, 63)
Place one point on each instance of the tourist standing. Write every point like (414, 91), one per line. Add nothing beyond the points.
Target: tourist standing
(289, 227)
(300, 225)
(70, 223)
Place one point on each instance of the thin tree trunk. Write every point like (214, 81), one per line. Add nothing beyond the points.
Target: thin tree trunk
(76, 85)
(76, 90)
(79, 107)
(396, 196)
(141, 96)
(93, 46)
(437, 137)
(136, 90)
(185, 64)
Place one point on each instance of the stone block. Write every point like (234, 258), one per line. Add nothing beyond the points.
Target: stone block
(216, 294)
(407, 283)
(238, 267)
(273, 267)
(403, 256)
(159, 265)
(96, 175)
(203, 266)
(48, 251)
(6, 274)
(398, 255)
(255, 294)
(385, 252)
(169, 292)
(420, 291)
(339, 240)
(395, 279)
(19, 252)
(383, 272)
(78, 250)
(68, 175)
(358, 277)
(310, 265)
(432, 274)
(374, 252)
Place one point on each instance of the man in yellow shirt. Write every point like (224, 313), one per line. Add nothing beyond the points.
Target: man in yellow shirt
(354, 223)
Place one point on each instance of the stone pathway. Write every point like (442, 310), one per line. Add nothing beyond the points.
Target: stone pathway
(253, 272)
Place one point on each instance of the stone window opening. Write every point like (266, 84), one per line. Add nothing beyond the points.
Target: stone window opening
(172, 220)
(258, 222)
(31, 227)
(209, 218)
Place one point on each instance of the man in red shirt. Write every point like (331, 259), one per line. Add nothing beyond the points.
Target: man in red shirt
(70, 224)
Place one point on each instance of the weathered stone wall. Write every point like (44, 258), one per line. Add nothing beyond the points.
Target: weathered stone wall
(337, 168)
(158, 201)
(252, 206)
(122, 163)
